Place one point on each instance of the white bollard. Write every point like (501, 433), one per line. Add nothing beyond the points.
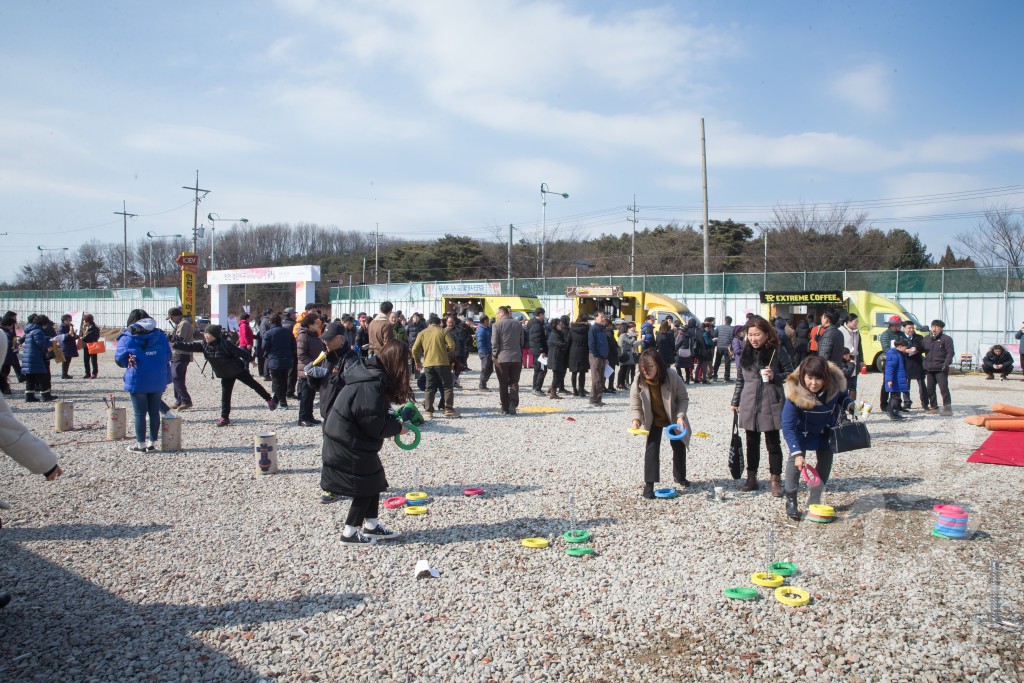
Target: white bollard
(170, 434)
(117, 423)
(64, 416)
(266, 452)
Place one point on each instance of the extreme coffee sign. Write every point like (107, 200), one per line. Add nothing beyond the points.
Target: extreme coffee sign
(802, 298)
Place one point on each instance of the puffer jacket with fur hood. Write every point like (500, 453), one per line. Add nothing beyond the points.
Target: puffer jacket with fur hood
(807, 417)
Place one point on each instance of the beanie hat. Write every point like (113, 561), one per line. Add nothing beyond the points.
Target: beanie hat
(214, 330)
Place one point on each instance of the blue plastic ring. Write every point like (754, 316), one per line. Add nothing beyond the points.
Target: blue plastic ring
(953, 521)
(947, 531)
(664, 493)
(675, 432)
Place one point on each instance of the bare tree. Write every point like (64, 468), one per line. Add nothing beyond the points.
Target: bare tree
(997, 242)
(809, 236)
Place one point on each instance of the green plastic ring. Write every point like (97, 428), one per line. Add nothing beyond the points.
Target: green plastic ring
(576, 536)
(784, 568)
(579, 551)
(740, 593)
(820, 520)
(415, 439)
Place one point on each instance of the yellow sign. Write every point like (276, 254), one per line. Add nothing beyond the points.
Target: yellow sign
(188, 293)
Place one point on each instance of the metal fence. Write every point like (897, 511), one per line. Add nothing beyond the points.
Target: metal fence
(110, 307)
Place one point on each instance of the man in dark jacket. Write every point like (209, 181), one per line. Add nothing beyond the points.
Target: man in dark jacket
(998, 360)
(340, 358)
(278, 345)
(288, 322)
(308, 348)
(537, 337)
(915, 363)
(181, 331)
(483, 351)
(723, 349)
(832, 342)
(230, 364)
(507, 352)
(415, 326)
(647, 340)
(597, 345)
(938, 349)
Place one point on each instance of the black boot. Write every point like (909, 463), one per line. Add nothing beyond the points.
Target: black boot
(792, 511)
(47, 396)
(30, 397)
(894, 409)
(648, 491)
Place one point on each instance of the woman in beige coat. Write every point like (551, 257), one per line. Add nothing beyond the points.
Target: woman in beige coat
(657, 399)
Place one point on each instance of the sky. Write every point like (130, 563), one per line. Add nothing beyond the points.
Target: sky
(445, 116)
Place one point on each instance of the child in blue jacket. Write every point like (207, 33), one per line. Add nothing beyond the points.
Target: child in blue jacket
(815, 396)
(897, 383)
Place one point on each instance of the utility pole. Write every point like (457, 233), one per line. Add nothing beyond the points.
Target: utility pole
(707, 228)
(632, 242)
(376, 255)
(195, 219)
(124, 213)
(510, 258)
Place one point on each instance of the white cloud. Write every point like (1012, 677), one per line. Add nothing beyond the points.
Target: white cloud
(181, 140)
(523, 173)
(335, 112)
(909, 185)
(26, 182)
(866, 88)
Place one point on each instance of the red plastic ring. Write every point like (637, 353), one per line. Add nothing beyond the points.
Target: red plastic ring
(473, 491)
(394, 502)
(948, 510)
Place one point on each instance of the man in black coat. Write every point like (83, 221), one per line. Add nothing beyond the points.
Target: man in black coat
(830, 346)
(998, 359)
(938, 350)
(915, 363)
(537, 338)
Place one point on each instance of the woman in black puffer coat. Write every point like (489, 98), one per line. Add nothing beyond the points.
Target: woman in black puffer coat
(579, 355)
(354, 433)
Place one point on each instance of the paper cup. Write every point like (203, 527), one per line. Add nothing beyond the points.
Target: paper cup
(764, 375)
(719, 492)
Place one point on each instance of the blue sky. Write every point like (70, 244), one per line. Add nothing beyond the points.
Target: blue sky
(445, 116)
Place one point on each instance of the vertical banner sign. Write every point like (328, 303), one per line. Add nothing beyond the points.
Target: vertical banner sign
(189, 265)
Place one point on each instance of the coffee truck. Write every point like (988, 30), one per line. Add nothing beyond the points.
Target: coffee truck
(617, 304)
(873, 312)
(473, 305)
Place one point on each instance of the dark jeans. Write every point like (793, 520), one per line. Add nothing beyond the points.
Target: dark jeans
(720, 355)
(558, 379)
(439, 377)
(579, 382)
(64, 367)
(179, 368)
(652, 458)
(626, 374)
(486, 369)
(279, 384)
(227, 385)
(363, 508)
(823, 466)
(922, 391)
(91, 363)
(508, 383)
(941, 378)
(305, 394)
(540, 371)
(143, 405)
(261, 359)
(773, 442)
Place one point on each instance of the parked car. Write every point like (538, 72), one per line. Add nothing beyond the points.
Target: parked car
(201, 323)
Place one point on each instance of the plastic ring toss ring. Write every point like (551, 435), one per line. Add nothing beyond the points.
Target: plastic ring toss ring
(416, 437)
(939, 534)
(576, 536)
(636, 431)
(945, 509)
(415, 496)
(579, 551)
(767, 580)
(810, 475)
(416, 509)
(394, 502)
(820, 520)
(675, 432)
(664, 493)
(473, 491)
(783, 569)
(741, 593)
(535, 542)
(953, 519)
(792, 596)
(822, 510)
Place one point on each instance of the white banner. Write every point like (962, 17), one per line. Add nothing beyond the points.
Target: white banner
(431, 290)
(250, 276)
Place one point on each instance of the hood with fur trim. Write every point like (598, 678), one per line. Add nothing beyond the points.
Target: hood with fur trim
(802, 398)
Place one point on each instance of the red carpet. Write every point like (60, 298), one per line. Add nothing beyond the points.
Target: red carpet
(1002, 448)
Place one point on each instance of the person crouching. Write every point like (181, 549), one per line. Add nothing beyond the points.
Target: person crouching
(354, 432)
(657, 399)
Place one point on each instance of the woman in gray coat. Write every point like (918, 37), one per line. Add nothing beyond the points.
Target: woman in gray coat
(763, 367)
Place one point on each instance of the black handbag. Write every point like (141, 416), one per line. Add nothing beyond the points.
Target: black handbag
(849, 434)
(736, 449)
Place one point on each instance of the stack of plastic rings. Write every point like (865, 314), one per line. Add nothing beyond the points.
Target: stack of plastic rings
(576, 536)
(950, 522)
(822, 514)
(416, 503)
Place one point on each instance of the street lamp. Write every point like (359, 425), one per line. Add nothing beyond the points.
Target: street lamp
(52, 248)
(213, 218)
(151, 235)
(544, 192)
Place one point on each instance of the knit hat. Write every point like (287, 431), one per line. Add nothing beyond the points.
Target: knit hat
(214, 330)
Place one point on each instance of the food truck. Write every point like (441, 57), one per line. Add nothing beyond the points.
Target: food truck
(472, 306)
(617, 304)
(873, 312)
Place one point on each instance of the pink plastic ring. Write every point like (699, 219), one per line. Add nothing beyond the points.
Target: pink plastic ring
(473, 491)
(810, 475)
(394, 502)
(944, 509)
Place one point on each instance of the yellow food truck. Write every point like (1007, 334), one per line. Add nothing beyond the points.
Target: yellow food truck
(617, 304)
(472, 306)
(873, 312)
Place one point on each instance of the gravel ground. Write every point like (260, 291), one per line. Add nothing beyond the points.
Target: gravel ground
(188, 566)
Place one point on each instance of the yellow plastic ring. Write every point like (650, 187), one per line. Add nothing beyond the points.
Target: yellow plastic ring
(416, 509)
(792, 596)
(822, 510)
(416, 495)
(767, 580)
(535, 542)
(635, 431)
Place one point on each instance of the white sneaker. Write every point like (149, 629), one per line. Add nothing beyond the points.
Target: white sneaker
(380, 533)
(358, 540)
(137, 448)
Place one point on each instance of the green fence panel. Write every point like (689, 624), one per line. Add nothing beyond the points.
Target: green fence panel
(920, 281)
